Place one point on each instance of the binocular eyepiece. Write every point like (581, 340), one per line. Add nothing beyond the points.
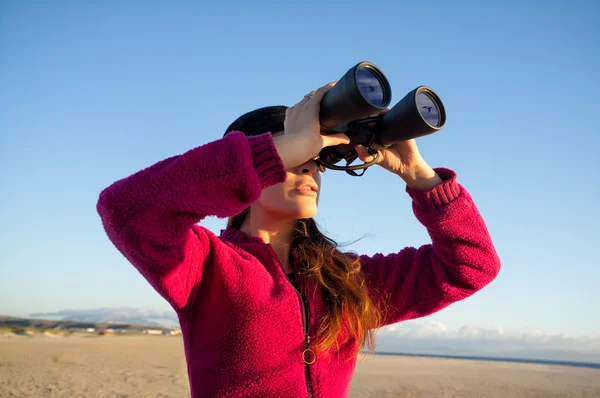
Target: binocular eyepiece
(354, 106)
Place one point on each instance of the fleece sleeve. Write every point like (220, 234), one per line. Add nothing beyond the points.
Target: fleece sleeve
(151, 216)
(459, 261)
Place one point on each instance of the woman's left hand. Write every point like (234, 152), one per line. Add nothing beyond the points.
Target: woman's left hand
(400, 158)
(403, 159)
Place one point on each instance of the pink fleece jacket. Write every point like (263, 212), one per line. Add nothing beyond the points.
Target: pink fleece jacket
(241, 319)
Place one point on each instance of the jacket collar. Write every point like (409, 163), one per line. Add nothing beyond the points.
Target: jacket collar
(237, 236)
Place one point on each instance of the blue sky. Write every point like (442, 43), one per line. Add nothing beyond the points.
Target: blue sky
(91, 93)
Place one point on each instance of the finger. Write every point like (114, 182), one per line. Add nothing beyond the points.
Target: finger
(307, 98)
(288, 116)
(363, 153)
(335, 139)
(320, 92)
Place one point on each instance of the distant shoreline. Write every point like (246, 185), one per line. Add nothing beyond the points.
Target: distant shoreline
(498, 359)
(33, 326)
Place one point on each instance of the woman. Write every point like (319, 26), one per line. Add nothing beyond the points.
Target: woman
(270, 307)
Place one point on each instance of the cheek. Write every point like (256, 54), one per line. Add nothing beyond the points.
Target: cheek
(274, 195)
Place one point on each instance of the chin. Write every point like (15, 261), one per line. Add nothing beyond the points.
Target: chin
(308, 214)
(303, 212)
(291, 207)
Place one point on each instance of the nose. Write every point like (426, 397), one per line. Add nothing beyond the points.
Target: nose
(309, 167)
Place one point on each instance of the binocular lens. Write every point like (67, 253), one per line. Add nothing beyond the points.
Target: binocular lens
(370, 86)
(428, 108)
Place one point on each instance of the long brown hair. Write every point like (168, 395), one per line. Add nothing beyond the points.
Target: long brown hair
(342, 282)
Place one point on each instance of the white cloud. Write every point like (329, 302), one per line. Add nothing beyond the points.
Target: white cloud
(432, 337)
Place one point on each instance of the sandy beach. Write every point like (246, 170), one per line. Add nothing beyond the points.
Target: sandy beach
(154, 366)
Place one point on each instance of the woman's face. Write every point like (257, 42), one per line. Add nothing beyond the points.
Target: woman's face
(297, 197)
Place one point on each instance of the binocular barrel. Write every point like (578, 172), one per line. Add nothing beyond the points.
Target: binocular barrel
(365, 91)
(419, 113)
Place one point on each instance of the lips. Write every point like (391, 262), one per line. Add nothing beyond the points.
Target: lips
(307, 186)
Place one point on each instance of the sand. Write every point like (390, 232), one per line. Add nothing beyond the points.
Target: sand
(154, 366)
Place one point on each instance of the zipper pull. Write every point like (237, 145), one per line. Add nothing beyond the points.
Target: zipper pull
(308, 356)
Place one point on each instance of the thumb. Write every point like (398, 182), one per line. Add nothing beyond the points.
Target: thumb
(364, 155)
(335, 139)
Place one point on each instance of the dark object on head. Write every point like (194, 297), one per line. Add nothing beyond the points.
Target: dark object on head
(259, 121)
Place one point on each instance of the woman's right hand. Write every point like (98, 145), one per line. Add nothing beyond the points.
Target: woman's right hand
(302, 140)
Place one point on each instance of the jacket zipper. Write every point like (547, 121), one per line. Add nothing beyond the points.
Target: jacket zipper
(308, 356)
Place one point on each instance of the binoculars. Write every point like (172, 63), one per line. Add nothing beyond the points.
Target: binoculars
(354, 106)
